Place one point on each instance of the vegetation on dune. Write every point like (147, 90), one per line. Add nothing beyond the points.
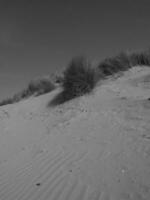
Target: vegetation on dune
(80, 78)
(35, 88)
(40, 86)
(113, 65)
(123, 62)
(140, 58)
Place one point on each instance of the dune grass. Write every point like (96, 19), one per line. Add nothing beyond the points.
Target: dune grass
(113, 65)
(80, 78)
(40, 86)
(122, 62)
(35, 88)
(140, 58)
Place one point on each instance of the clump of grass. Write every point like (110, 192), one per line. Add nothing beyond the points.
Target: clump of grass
(6, 101)
(123, 62)
(40, 86)
(79, 78)
(35, 88)
(113, 65)
(140, 58)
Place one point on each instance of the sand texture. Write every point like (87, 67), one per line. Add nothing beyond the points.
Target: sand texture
(96, 147)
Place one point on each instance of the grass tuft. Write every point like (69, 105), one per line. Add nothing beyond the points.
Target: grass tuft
(140, 58)
(123, 62)
(35, 88)
(79, 78)
(113, 65)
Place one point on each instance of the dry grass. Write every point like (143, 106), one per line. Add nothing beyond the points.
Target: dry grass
(123, 62)
(79, 78)
(35, 88)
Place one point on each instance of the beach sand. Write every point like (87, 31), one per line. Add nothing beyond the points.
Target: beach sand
(95, 147)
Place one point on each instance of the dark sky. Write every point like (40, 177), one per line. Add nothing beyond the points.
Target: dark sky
(38, 37)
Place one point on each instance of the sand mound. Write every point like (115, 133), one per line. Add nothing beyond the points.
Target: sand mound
(91, 148)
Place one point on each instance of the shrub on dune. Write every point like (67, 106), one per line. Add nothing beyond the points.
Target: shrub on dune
(40, 86)
(6, 101)
(79, 78)
(122, 62)
(113, 65)
(35, 88)
(142, 58)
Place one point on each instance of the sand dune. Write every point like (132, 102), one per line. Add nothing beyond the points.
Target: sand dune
(95, 147)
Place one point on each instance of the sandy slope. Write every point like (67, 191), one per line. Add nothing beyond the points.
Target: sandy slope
(92, 148)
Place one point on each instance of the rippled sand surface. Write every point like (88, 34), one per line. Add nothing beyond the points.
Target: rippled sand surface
(95, 147)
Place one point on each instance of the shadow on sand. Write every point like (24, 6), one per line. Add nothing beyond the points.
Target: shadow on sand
(60, 98)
